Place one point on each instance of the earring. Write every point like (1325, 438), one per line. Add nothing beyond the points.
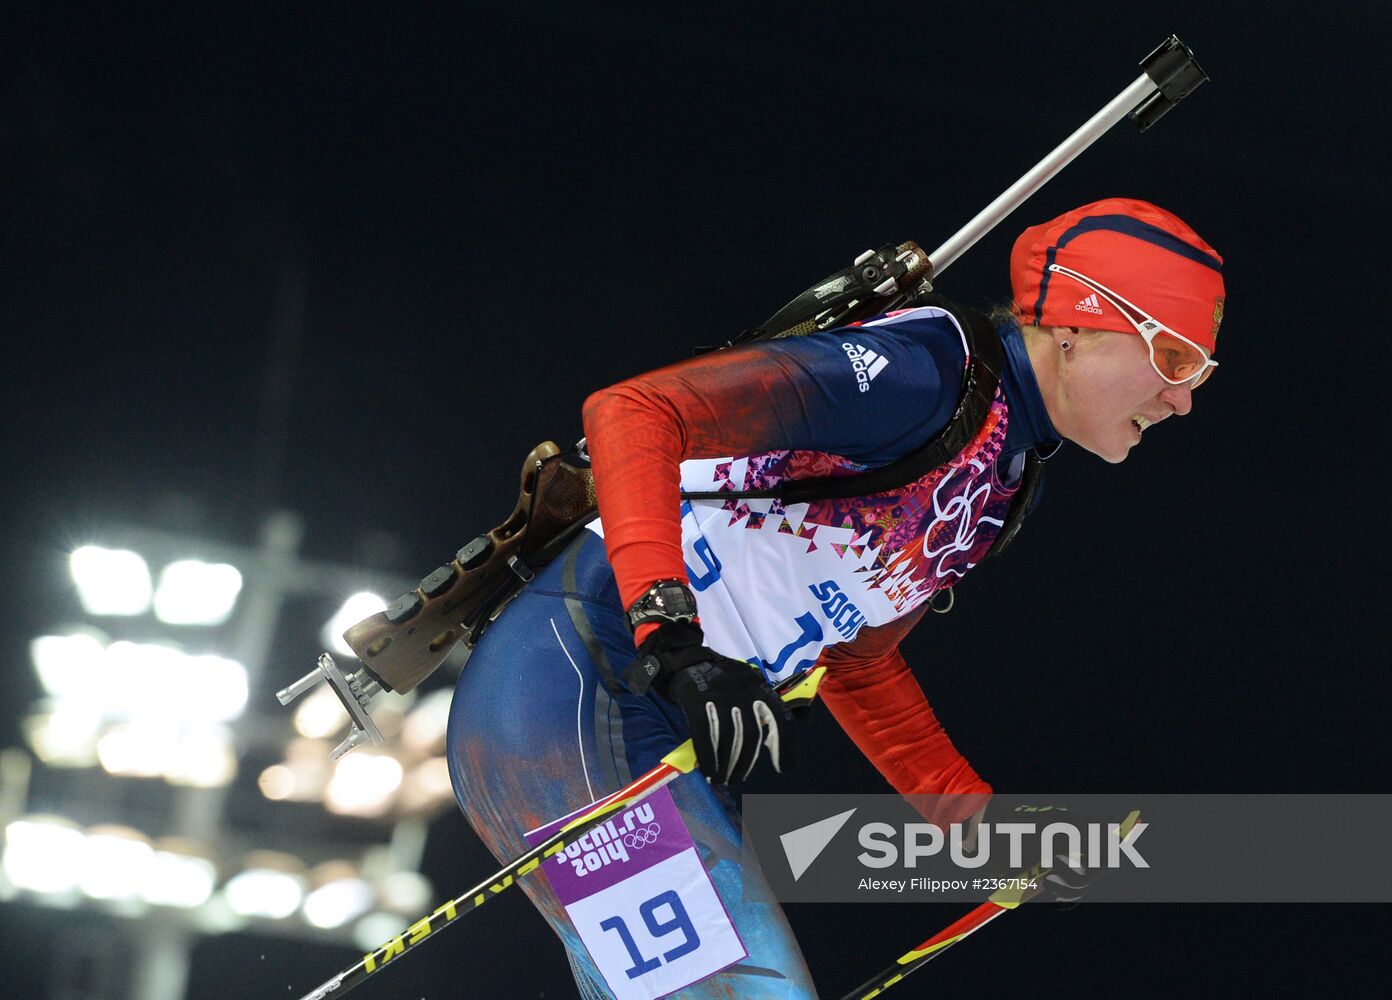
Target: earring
(1065, 344)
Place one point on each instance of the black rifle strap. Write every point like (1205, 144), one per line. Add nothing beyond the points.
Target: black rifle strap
(984, 359)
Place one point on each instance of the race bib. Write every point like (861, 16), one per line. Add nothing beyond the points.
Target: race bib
(641, 900)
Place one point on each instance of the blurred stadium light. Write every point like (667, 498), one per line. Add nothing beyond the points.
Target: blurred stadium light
(320, 714)
(132, 680)
(377, 927)
(169, 690)
(192, 592)
(111, 581)
(114, 863)
(354, 610)
(260, 891)
(363, 784)
(179, 876)
(69, 665)
(64, 733)
(40, 851)
(340, 895)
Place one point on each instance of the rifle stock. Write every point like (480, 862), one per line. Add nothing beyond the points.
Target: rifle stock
(409, 641)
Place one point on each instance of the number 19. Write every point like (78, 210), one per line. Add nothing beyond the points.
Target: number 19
(680, 920)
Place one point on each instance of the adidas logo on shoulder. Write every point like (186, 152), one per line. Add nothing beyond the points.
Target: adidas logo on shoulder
(1089, 305)
(866, 363)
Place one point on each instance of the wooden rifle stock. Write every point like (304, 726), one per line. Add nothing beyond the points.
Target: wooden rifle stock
(409, 641)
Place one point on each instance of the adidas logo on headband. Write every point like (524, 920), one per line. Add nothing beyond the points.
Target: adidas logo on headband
(1089, 305)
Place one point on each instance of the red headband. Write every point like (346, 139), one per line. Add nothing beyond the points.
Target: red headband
(1138, 250)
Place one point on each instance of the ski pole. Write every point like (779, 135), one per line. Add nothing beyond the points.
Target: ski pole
(795, 692)
(1171, 74)
(916, 958)
(1001, 901)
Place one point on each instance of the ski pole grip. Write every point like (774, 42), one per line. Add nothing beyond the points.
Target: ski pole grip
(1176, 74)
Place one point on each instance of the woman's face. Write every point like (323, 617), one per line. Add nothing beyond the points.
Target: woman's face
(1109, 393)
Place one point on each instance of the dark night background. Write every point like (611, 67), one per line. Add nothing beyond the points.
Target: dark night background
(493, 210)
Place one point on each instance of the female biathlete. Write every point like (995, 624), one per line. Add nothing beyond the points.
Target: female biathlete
(1116, 307)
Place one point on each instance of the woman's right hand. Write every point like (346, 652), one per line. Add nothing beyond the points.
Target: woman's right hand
(732, 712)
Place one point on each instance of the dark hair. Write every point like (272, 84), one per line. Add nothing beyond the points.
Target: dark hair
(1005, 312)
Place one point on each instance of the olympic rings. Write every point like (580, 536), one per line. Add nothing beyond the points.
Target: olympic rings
(642, 837)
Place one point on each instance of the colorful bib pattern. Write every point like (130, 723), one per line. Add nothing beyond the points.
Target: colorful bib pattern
(775, 585)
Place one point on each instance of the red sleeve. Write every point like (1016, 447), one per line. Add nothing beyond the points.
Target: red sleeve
(730, 402)
(879, 703)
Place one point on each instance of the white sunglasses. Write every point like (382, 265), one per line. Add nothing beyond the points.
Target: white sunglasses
(1175, 358)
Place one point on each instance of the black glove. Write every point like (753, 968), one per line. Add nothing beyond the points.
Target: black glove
(1068, 881)
(731, 711)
